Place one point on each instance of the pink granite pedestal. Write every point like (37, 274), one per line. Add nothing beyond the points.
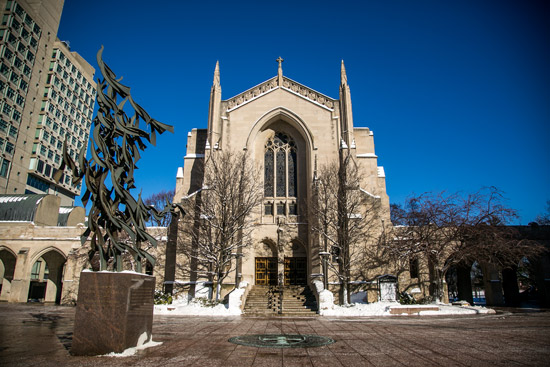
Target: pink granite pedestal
(113, 310)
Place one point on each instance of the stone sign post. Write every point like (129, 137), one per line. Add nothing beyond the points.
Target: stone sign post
(114, 312)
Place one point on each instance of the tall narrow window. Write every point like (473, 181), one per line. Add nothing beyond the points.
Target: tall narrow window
(292, 173)
(280, 173)
(413, 267)
(268, 176)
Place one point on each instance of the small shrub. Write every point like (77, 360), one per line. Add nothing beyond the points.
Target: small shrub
(162, 298)
(406, 299)
(208, 302)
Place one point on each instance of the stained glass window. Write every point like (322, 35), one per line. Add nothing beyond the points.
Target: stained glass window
(281, 173)
(292, 173)
(268, 176)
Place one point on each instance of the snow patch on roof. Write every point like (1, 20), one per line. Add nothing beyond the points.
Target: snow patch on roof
(367, 155)
(188, 156)
(65, 209)
(12, 199)
(369, 194)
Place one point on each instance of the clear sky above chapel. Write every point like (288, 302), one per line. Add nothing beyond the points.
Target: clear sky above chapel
(457, 93)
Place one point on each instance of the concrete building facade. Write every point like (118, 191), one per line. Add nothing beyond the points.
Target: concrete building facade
(48, 94)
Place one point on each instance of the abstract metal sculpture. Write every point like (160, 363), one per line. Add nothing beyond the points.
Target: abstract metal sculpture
(116, 142)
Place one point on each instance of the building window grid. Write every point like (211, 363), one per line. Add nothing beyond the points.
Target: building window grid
(80, 86)
(22, 47)
(59, 120)
(26, 20)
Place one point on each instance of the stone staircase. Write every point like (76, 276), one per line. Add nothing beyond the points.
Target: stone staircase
(268, 301)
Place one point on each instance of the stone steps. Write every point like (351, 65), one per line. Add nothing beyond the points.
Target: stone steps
(266, 301)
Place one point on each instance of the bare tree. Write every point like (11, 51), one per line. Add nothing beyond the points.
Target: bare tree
(397, 214)
(343, 216)
(158, 201)
(453, 229)
(217, 226)
(544, 219)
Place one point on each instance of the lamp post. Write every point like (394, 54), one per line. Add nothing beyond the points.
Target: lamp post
(237, 273)
(324, 257)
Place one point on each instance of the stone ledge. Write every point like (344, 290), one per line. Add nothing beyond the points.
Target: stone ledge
(411, 309)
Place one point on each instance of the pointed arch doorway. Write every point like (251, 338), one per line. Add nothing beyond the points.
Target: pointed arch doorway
(295, 271)
(290, 262)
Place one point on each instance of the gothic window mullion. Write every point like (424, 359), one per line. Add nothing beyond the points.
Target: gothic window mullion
(280, 169)
(286, 173)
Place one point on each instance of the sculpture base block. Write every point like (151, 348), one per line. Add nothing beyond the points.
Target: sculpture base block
(113, 310)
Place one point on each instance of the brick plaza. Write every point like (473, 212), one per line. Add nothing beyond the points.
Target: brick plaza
(32, 335)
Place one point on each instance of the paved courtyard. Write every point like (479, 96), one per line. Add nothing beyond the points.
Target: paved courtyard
(35, 335)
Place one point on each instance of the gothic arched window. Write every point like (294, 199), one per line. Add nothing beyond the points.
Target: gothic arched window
(280, 172)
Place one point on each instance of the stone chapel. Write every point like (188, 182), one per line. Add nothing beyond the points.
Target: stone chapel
(288, 129)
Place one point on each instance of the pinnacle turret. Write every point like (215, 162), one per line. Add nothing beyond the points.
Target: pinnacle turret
(343, 76)
(217, 74)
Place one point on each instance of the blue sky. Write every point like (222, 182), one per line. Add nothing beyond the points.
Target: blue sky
(456, 92)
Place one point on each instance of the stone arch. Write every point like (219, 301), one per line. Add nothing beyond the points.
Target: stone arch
(297, 248)
(280, 114)
(46, 250)
(8, 258)
(459, 282)
(268, 248)
(523, 281)
(282, 120)
(46, 275)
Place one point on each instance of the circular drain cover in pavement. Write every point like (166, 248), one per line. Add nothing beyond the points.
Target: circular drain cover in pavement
(281, 340)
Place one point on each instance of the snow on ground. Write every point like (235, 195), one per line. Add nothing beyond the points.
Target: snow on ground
(195, 307)
(383, 309)
(198, 306)
(141, 344)
(360, 309)
(446, 309)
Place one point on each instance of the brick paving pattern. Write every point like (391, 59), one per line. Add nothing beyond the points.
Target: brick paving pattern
(33, 335)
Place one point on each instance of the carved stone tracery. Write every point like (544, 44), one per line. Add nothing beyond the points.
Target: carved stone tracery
(288, 84)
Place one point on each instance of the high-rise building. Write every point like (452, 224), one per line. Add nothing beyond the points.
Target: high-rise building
(47, 95)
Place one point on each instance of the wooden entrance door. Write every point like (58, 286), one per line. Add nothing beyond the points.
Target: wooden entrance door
(266, 271)
(295, 270)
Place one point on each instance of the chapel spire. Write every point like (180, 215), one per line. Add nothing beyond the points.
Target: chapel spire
(343, 76)
(214, 111)
(217, 74)
(346, 116)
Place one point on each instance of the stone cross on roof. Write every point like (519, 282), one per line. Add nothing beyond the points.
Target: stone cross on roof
(280, 70)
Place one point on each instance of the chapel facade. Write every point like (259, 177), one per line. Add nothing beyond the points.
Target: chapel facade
(289, 130)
